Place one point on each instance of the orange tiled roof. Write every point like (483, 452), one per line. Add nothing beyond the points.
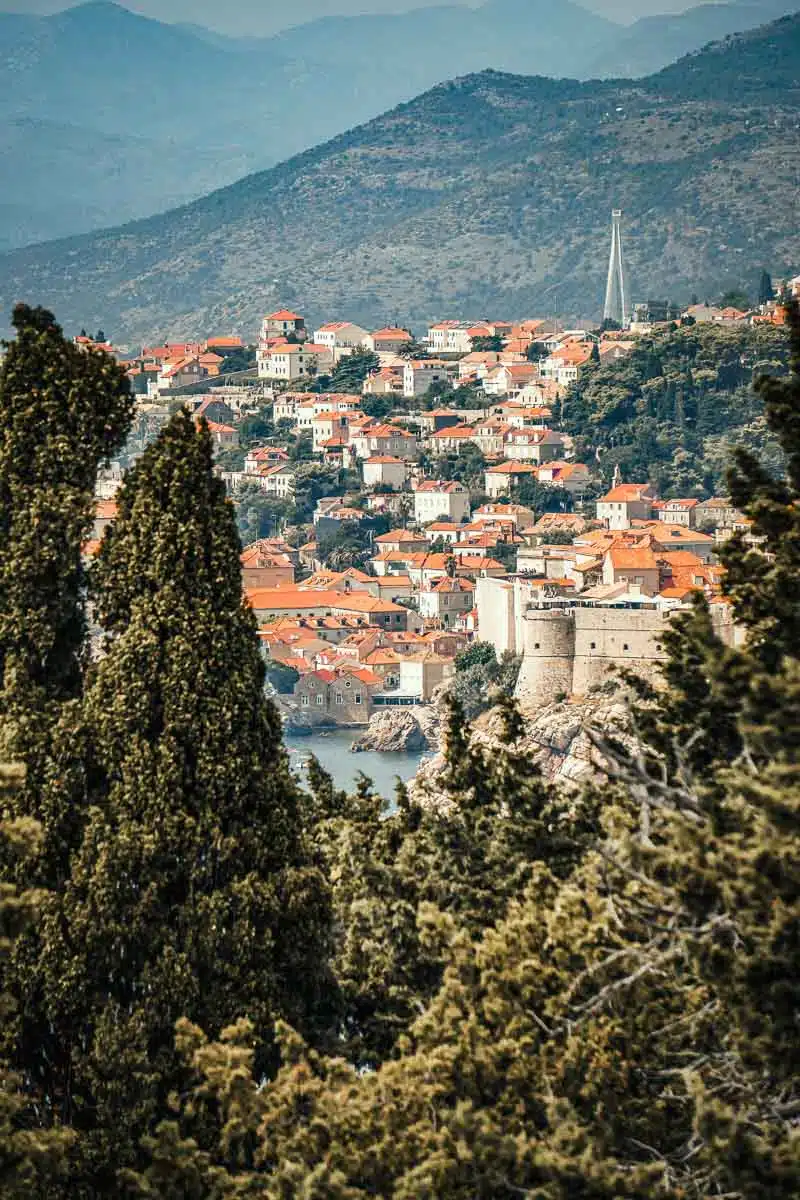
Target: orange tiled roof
(290, 597)
(399, 535)
(452, 585)
(626, 492)
(512, 468)
(625, 558)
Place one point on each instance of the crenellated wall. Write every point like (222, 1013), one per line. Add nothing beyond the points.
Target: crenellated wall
(609, 638)
(572, 648)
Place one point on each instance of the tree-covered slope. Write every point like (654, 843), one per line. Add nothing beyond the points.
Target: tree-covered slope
(103, 178)
(672, 412)
(491, 193)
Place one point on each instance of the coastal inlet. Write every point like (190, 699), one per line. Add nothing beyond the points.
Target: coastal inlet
(394, 744)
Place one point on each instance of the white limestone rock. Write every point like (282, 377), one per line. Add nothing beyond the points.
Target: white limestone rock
(556, 738)
(391, 730)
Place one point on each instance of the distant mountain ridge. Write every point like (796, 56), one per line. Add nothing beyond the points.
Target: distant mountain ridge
(489, 194)
(202, 109)
(651, 43)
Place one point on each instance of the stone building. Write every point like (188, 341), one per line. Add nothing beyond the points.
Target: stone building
(338, 697)
(568, 646)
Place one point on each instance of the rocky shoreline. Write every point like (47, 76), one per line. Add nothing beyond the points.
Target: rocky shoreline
(400, 729)
(556, 739)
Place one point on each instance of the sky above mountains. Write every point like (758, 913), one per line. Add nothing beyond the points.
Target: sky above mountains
(262, 17)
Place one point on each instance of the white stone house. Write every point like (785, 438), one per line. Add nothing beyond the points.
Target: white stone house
(278, 480)
(384, 439)
(281, 324)
(420, 374)
(499, 480)
(389, 340)
(294, 361)
(534, 445)
(625, 503)
(421, 674)
(340, 337)
(677, 512)
(384, 470)
(329, 425)
(446, 600)
(437, 499)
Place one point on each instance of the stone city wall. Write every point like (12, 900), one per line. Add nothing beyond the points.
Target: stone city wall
(569, 651)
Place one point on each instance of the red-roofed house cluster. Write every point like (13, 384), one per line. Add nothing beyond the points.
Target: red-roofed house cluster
(450, 442)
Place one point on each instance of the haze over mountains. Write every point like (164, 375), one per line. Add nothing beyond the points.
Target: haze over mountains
(108, 115)
(488, 194)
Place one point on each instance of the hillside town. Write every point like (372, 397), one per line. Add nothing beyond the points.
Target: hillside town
(420, 495)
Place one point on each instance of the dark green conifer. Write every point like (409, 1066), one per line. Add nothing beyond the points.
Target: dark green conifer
(30, 1159)
(63, 411)
(406, 885)
(192, 891)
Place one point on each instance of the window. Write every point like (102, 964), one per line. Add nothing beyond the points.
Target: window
(339, 698)
(592, 645)
(625, 646)
(348, 683)
(305, 702)
(320, 698)
(357, 697)
(536, 645)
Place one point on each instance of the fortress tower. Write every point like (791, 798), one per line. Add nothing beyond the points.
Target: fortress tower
(615, 307)
(548, 656)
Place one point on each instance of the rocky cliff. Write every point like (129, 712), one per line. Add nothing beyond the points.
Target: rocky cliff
(556, 738)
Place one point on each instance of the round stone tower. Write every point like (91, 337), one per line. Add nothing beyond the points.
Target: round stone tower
(548, 656)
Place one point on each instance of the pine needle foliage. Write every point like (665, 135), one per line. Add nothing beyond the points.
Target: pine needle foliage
(30, 1159)
(63, 411)
(408, 885)
(193, 890)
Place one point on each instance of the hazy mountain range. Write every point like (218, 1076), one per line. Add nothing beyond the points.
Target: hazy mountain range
(488, 194)
(108, 115)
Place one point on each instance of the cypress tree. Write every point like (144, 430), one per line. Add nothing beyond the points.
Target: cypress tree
(406, 885)
(192, 891)
(29, 1159)
(63, 411)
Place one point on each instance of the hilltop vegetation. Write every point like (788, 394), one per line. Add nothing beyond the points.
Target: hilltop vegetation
(491, 193)
(674, 409)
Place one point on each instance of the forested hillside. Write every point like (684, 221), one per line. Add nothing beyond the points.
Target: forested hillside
(672, 411)
(487, 195)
